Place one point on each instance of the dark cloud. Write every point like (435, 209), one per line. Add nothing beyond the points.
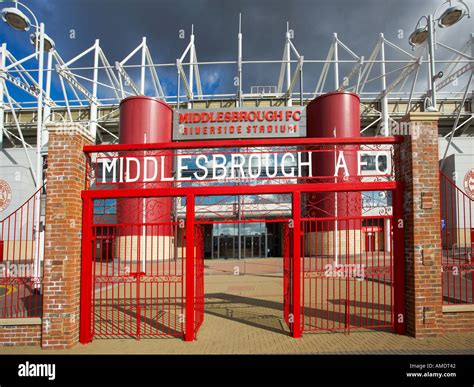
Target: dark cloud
(120, 25)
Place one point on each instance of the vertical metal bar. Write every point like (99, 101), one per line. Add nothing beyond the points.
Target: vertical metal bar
(85, 334)
(325, 252)
(336, 62)
(47, 106)
(432, 67)
(138, 306)
(239, 230)
(167, 256)
(114, 254)
(182, 279)
(384, 87)
(301, 81)
(453, 236)
(239, 62)
(3, 51)
(39, 158)
(191, 65)
(98, 258)
(266, 240)
(364, 278)
(105, 256)
(190, 212)
(162, 269)
(288, 64)
(93, 108)
(178, 86)
(143, 68)
(296, 273)
(413, 85)
(304, 297)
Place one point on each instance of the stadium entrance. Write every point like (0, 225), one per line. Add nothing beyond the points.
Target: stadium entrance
(257, 240)
(326, 210)
(145, 243)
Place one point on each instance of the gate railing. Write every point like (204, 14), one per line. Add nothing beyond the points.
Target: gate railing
(287, 276)
(347, 276)
(21, 271)
(292, 174)
(137, 279)
(457, 237)
(199, 283)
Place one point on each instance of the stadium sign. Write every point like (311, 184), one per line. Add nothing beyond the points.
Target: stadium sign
(229, 166)
(236, 123)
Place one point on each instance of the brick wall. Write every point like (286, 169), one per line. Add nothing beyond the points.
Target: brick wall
(62, 255)
(20, 335)
(419, 170)
(458, 321)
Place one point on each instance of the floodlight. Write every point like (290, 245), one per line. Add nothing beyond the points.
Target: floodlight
(16, 19)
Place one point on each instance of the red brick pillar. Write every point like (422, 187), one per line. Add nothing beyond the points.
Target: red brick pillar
(62, 251)
(419, 168)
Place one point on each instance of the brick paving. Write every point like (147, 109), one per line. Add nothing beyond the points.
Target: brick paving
(243, 315)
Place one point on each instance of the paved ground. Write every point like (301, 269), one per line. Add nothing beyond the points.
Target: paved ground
(243, 315)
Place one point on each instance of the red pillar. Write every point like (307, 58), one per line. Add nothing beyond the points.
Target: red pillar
(331, 115)
(189, 320)
(146, 120)
(85, 330)
(337, 115)
(297, 331)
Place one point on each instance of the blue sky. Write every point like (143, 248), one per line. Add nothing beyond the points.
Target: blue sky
(120, 25)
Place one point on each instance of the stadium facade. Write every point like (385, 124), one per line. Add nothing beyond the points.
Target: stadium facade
(111, 200)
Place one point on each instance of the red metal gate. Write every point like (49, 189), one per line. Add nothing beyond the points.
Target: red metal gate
(134, 272)
(137, 276)
(156, 285)
(457, 236)
(349, 289)
(347, 283)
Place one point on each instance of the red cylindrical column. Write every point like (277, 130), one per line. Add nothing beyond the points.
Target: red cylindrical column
(335, 114)
(146, 120)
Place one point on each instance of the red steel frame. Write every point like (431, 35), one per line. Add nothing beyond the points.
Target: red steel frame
(199, 277)
(190, 192)
(287, 276)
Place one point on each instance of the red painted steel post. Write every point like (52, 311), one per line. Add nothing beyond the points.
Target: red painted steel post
(296, 274)
(189, 330)
(85, 332)
(399, 314)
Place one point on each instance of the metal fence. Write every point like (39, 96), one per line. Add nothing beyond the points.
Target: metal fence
(457, 234)
(21, 269)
